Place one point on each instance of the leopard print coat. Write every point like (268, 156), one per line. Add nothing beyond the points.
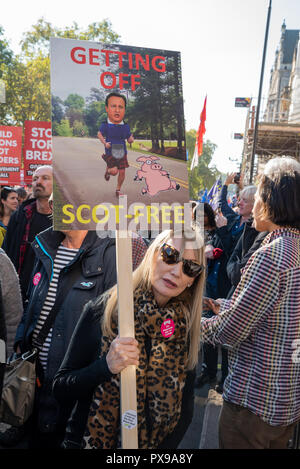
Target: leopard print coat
(160, 379)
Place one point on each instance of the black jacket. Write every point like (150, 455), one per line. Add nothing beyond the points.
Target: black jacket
(13, 240)
(15, 232)
(231, 215)
(93, 271)
(217, 282)
(82, 371)
(247, 244)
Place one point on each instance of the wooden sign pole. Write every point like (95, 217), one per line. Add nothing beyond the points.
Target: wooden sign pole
(2, 363)
(2, 351)
(128, 407)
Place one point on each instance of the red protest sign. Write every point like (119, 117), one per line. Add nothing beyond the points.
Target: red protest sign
(10, 154)
(37, 147)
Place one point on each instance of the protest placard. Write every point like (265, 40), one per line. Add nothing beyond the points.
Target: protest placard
(37, 149)
(119, 158)
(10, 155)
(105, 146)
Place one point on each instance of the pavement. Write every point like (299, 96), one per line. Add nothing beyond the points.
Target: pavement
(209, 435)
(203, 430)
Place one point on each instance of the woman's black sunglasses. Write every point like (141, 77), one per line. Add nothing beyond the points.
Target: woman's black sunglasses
(170, 255)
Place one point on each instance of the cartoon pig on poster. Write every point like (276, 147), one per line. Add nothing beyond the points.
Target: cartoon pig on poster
(156, 178)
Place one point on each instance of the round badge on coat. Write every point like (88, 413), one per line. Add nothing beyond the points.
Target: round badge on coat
(37, 278)
(167, 328)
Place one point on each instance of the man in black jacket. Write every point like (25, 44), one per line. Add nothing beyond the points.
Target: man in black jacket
(31, 218)
(71, 268)
(87, 273)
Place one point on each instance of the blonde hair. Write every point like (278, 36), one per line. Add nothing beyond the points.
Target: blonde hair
(191, 298)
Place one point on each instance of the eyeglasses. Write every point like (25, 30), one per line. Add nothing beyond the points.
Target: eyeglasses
(170, 255)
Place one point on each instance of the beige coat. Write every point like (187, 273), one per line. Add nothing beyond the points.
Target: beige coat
(11, 298)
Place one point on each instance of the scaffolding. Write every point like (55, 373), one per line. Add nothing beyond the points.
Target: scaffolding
(273, 139)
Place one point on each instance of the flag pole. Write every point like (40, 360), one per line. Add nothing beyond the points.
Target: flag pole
(259, 94)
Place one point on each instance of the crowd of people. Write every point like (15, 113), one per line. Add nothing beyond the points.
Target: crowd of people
(231, 289)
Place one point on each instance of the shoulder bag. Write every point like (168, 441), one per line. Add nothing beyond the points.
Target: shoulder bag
(20, 375)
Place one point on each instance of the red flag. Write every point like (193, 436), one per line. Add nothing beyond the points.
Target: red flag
(202, 129)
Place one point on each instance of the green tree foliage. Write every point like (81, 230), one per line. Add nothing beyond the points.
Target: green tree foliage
(27, 91)
(6, 56)
(37, 39)
(94, 114)
(74, 115)
(57, 106)
(75, 105)
(74, 101)
(80, 129)
(63, 129)
(6, 53)
(27, 76)
(156, 111)
(96, 94)
(204, 175)
(90, 113)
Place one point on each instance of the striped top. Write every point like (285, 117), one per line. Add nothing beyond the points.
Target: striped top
(261, 324)
(62, 259)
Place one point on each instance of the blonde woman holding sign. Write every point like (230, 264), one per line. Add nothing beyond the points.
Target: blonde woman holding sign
(168, 288)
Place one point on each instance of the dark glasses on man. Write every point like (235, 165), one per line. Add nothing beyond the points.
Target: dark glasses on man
(171, 255)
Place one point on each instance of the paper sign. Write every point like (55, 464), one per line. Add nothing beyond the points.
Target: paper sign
(37, 147)
(242, 102)
(129, 419)
(10, 155)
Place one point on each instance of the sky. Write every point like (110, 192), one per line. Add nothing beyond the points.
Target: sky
(220, 41)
